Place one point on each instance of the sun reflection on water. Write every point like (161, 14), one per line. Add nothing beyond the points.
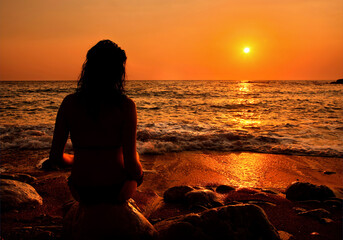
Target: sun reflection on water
(247, 117)
(244, 87)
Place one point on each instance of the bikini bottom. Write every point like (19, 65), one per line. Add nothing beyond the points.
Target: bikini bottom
(95, 194)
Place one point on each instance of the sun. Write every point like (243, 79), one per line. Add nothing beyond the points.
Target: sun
(246, 50)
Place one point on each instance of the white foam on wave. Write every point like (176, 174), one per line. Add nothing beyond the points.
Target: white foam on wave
(27, 137)
(157, 141)
(172, 137)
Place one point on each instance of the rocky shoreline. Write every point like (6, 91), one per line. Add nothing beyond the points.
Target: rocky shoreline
(190, 212)
(40, 201)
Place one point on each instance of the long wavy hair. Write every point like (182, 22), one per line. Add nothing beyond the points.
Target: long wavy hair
(103, 75)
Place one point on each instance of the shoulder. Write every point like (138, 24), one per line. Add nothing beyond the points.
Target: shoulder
(129, 109)
(69, 98)
(68, 101)
(128, 103)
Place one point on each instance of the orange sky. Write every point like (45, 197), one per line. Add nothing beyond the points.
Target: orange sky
(175, 39)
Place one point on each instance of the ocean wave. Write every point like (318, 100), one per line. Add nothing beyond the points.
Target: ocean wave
(236, 106)
(148, 108)
(288, 117)
(164, 138)
(156, 143)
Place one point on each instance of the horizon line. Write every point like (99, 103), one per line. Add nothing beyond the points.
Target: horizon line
(70, 80)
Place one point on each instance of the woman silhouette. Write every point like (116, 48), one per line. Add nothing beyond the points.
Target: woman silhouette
(102, 123)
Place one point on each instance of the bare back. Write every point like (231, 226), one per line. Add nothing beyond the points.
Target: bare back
(100, 143)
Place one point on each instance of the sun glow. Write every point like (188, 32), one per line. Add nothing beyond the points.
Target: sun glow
(246, 50)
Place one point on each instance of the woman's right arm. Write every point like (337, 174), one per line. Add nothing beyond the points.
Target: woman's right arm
(132, 164)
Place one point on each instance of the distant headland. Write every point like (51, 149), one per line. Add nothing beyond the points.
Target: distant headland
(339, 81)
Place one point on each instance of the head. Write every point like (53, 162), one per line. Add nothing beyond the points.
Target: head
(103, 72)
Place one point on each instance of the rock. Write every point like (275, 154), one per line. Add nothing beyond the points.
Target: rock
(325, 220)
(247, 190)
(336, 199)
(21, 177)
(329, 172)
(209, 187)
(6, 167)
(333, 203)
(285, 235)
(260, 194)
(17, 195)
(263, 203)
(176, 194)
(203, 197)
(242, 221)
(299, 191)
(299, 210)
(42, 235)
(268, 191)
(311, 202)
(48, 219)
(232, 203)
(106, 221)
(198, 208)
(186, 230)
(316, 213)
(46, 165)
(224, 189)
(37, 232)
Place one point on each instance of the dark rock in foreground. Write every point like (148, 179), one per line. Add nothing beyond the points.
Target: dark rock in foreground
(21, 177)
(300, 191)
(329, 172)
(16, 195)
(285, 235)
(195, 198)
(224, 189)
(316, 213)
(46, 164)
(202, 198)
(106, 221)
(243, 221)
(51, 232)
(176, 194)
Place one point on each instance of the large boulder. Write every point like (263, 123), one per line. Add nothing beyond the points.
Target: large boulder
(202, 198)
(242, 221)
(300, 191)
(224, 189)
(196, 198)
(176, 194)
(106, 221)
(17, 195)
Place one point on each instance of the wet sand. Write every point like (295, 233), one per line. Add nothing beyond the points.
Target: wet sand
(240, 169)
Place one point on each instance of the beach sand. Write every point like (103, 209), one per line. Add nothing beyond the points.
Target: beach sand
(238, 169)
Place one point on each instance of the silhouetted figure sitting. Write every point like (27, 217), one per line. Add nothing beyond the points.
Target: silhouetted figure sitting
(102, 123)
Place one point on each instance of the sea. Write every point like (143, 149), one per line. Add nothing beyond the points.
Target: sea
(280, 117)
